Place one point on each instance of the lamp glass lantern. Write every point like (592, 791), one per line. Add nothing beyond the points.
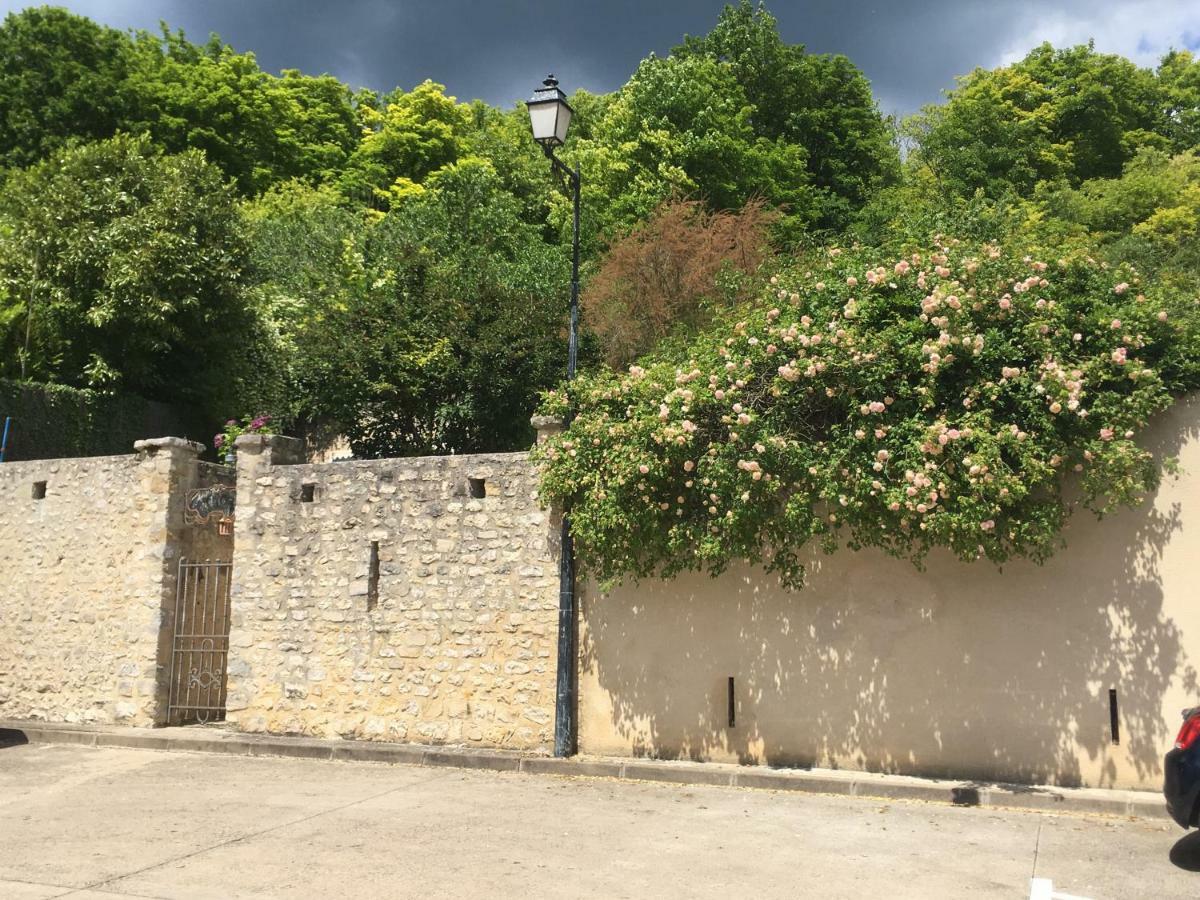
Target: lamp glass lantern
(549, 114)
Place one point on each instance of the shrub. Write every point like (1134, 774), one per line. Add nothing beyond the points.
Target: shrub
(933, 400)
(673, 270)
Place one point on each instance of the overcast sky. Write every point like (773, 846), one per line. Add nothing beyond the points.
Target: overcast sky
(498, 50)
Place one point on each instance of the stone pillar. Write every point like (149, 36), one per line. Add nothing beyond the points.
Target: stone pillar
(547, 427)
(166, 466)
(257, 455)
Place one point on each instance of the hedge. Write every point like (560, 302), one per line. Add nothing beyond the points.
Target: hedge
(51, 421)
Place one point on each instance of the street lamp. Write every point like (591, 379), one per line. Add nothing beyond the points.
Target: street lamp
(549, 114)
(549, 118)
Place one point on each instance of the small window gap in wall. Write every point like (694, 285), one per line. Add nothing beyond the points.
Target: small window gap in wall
(373, 577)
(732, 701)
(308, 492)
(39, 490)
(477, 487)
(1114, 716)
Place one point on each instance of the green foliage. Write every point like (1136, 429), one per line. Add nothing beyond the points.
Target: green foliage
(937, 399)
(51, 421)
(66, 78)
(1179, 78)
(125, 264)
(396, 266)
(681, 126)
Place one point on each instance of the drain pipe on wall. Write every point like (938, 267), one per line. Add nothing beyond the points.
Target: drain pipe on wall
(4, 440)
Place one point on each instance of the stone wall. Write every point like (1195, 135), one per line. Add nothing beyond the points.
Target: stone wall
(416, 600)
(88, 552)
(381, 600)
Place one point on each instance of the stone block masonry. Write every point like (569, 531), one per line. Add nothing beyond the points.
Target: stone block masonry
(395, 600)
(88, 556)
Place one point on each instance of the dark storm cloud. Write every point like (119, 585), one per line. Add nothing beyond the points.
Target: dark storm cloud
(498, 49)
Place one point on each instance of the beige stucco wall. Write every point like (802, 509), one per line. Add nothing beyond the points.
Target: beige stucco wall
(961, 670)
(87, 582)
(459, 647)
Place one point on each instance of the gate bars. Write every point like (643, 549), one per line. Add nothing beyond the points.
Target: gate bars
(200, 645)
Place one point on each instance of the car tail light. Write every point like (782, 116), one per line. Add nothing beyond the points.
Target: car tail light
(1188, 734)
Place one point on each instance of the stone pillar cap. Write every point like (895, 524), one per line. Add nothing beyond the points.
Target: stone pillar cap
(280, 448)
(546, 427)
(153, 445)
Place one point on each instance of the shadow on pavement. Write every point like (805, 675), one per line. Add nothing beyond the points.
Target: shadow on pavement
(11, 737)
(1186, 852)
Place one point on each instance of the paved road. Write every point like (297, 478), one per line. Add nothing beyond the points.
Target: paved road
(89, 823)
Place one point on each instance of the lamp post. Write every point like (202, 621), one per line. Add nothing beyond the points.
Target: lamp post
(549, 118)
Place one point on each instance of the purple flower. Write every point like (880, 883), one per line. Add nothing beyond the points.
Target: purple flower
(231, 422)
(219, 441)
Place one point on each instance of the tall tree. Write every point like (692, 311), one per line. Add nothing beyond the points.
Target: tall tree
(1073, 114)
(257, 128)
(1179, 76)
(681, 126)
(413, 134)
(438, 322)
(822, 103)
(62, 76)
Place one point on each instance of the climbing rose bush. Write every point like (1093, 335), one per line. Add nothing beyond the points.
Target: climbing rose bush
(941, 398)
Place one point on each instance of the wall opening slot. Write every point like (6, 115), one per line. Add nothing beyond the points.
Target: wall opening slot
(39, 490)
(308, 492)
(1114, 721)
(732, 705)
(477, 488)
(373, 577)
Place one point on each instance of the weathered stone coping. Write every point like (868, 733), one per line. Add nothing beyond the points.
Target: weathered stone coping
(1142, 804)
(153, 445)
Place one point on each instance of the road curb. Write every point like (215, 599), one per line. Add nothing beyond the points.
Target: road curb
(1140, 804)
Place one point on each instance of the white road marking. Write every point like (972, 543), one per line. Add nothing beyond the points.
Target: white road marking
(1043, 889)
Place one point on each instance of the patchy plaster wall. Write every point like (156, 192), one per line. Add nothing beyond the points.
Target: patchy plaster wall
(87, 583)
(960, 670)
(456, 642)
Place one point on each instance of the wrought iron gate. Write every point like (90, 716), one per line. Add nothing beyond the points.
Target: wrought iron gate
(201, 644)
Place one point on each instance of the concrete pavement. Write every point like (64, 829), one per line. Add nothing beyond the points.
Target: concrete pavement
(217, 739)
(90, 823)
